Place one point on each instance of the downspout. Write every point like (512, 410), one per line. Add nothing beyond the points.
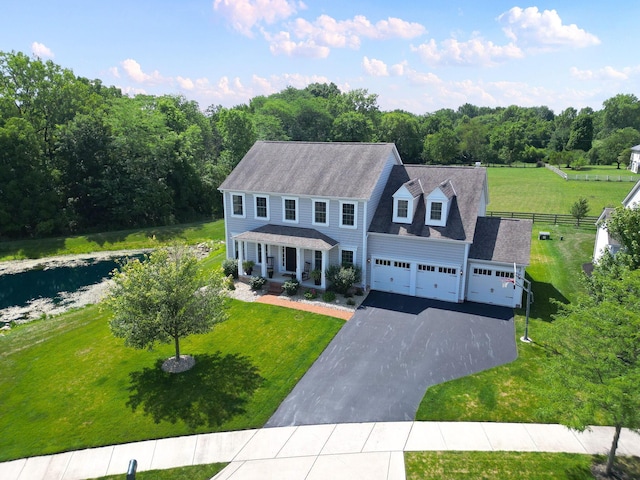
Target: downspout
(365, 237)
(226, 227)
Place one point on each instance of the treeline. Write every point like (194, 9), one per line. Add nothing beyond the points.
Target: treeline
(77, 156)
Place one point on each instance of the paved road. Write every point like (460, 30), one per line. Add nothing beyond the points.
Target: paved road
(381, 363)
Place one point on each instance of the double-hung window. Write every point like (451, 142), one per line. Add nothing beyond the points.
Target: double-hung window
(290, 210)
(403, 209)
(237, 205)
(320, 212)
(348, 214)
(262, 207)
(436, 211)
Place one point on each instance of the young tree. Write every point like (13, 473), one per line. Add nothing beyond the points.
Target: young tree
(580, 209)
(595, 365)
(164, 299)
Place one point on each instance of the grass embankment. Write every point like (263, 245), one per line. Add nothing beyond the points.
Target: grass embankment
(539, 190)
(191, 233)
(508, 466)
(66, 383)
(509, 393)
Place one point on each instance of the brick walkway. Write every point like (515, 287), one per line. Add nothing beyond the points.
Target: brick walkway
(283, 302)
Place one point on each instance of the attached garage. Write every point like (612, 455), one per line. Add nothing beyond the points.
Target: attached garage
(488, 284)
(391, 276)
(437, 282)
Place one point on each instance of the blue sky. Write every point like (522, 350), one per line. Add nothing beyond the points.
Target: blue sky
(418, 56)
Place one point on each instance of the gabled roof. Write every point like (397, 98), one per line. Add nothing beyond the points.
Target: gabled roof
(414, 187)
(635, 148)
(447, 189)
(470, 182)
(340, 170)
(631, 194)
(505, 240)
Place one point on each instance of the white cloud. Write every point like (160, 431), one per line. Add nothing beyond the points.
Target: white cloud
(40, 50)
(245, 14)
(134, 71)
(185, 83)
(399, 68)
(476, 51)
(282, 44)
(544, 29)
(606, 73)
(315, 38)
(114, 71)
(374, 67)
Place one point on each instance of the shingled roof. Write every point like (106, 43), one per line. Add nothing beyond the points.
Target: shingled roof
(502, 240)
(340, 170)
(468, 184)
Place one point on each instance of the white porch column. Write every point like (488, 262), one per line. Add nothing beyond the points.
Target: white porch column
(298, 264)
(240, 257)
(323, 279)
(263, 255)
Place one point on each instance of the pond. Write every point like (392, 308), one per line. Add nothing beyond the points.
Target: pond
(53, 284)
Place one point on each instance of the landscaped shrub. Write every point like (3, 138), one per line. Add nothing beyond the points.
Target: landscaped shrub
(229, 282)
(359, 292)
(328, 296)
(256, 283)
(351, 302)
(342, 277)
(290, 287)
(310, 294)
(230, 267)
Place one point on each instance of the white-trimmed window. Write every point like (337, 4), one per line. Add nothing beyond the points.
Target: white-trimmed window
(290, 209)
(403, 209)
(347, 256)
(261, 207)
(237, 205)
(435, 214)
(320, 212)
(348, 214)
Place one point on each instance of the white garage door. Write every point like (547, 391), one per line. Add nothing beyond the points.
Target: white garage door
(437, 282)
(391, 276)
(486, 286)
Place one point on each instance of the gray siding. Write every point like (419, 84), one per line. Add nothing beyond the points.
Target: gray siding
(416, 250)
(347, 237)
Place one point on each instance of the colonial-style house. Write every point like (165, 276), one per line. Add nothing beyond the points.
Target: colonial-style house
(294, 207)
(604, 241)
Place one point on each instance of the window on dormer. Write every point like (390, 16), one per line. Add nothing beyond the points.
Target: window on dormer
(436, 211)
(403, 209)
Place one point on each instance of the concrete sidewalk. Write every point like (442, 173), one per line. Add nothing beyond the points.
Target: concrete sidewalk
(372, 451)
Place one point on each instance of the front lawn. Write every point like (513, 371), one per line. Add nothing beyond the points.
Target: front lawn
(66, 383)
(195, 472)
(508, 393)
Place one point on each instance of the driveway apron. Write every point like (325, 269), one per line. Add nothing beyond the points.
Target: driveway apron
(380, 364)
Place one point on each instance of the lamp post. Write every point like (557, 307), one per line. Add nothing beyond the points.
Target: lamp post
(526, 286)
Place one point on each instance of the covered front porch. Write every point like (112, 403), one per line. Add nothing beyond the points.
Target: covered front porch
(283, 252)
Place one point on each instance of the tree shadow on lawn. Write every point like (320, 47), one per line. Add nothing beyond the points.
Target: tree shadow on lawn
(546, 298)
(213, 391)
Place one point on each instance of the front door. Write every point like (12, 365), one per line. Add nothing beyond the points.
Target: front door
(290, 259)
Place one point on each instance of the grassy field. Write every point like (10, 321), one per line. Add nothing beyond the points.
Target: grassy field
(508, 466)
(540, 190)
(66, 383)
(508, 393)
(191, 233)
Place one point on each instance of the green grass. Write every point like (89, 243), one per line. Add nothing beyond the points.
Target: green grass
(540, 190)
(66, 382)
(195, 472)
(508, 465)
(508, 393)
(120, 240)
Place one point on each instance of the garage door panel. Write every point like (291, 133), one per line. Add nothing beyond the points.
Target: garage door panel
(437, 282)
(486, 285)
(391, 276)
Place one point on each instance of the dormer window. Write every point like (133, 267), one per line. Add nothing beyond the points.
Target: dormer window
(405, 201)
(435, 213)
(438, 204)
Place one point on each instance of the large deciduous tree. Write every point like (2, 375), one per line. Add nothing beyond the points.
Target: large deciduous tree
(594, 370)
(163, 299)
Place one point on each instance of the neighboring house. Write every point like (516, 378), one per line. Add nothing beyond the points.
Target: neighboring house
(603, 240)
(634, 161)
(415, 230)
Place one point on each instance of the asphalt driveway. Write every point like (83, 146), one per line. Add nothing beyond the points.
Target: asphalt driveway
(381, 363)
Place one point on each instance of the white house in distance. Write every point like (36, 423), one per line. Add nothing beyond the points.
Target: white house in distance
(603, 240)
(634, 161)
(292, 207)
